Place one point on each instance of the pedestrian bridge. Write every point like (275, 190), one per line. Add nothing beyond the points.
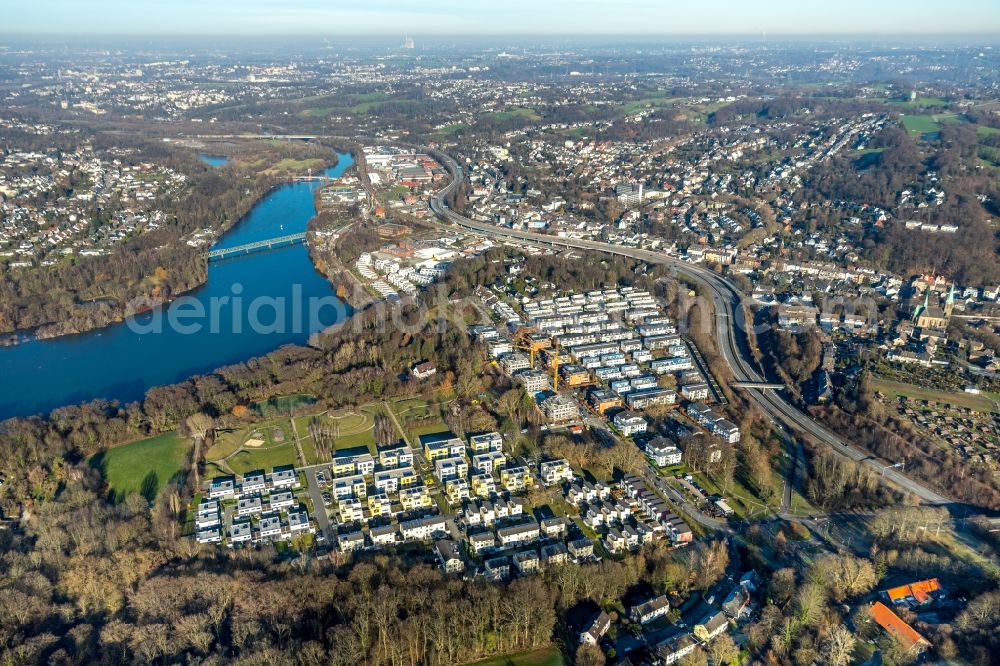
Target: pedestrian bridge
(757, 385)
(256, 246)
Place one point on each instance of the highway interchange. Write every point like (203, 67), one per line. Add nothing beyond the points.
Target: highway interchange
(734, 349)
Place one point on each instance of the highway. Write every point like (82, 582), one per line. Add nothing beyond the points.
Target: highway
(735, 349)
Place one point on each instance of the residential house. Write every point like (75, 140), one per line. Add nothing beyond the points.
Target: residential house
(648, 611)
(448, 557)
(663, 452)
(526, 562)
(630, 423)
(525, 532)
(414, 498)
(384, 535)
(450, 468)
(894, 625)
(422, 529)
(555, 471)
(596, 630)
(349, 486)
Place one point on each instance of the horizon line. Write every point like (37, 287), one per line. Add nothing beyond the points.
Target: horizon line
(356, 35)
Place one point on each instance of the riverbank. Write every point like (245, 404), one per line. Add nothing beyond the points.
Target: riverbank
(250, 305)
(92, 318)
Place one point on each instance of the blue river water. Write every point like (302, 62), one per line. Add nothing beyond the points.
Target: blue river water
(214, 161)
(252, 304)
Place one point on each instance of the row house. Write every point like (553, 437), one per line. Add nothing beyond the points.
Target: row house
(351, 541)
(222, 487)
(525, 532)
(554, 528)
(662, 366)
(696, 391)
(207, 515)
(584, 491)
(422, 529)
(649, 398)
(703, 415)
(384, 535)
(239, 532)
(253, 483)
(280, 501)
(249, 506)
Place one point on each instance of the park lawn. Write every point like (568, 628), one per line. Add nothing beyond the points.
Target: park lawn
(548, 656)
(265, 458)
(452, 128)
(979, 403)
(639, 105)
(983, 130)
(213, 470)
(365, 439)
(921, 124)
(309, 449)
(289, 164)
(438, 428)
(515, 112)
(226, 444)
(144, 466)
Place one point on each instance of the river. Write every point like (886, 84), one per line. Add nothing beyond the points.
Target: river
(122, 361)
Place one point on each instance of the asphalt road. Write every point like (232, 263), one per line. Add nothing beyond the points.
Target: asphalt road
(729, 317)
(316, 495)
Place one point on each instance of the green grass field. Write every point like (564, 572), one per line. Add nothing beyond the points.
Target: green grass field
(549, 656)
(515, 112)
(979, 403)
(144, 466)
(919, 124)
(927, 123)
(289, 164)
(249, 460)
(639, 105)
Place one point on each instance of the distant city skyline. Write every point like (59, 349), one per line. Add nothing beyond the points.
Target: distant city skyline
(464, 17)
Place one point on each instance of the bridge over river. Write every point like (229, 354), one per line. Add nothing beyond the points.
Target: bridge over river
(256, 246)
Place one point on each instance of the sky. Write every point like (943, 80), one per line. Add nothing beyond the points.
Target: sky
(471, 17)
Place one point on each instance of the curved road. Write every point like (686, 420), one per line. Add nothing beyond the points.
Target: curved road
(728, 318)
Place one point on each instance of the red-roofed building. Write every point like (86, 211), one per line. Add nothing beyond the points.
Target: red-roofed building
(897, 628)
(915, 594)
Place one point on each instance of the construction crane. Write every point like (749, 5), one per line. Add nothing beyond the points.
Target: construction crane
(530, 340)
(555, 368)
